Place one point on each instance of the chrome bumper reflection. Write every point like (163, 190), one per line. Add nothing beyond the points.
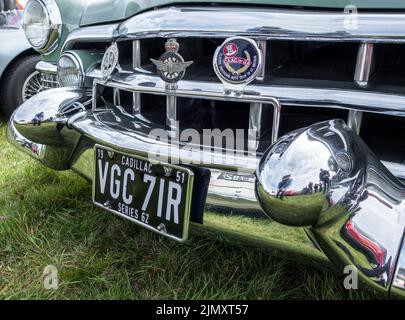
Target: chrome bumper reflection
(326, 178)
(58, 128)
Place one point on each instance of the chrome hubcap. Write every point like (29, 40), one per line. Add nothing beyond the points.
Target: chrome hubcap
(32, 86)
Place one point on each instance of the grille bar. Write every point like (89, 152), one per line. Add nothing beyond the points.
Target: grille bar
(49, 81)
(171, 112)
(365, 64)
(364, 68)
(260, 23)
(262, 44)
(255, 125)
(354, 120)
(360, 100)
(136, 63)
(256, 109)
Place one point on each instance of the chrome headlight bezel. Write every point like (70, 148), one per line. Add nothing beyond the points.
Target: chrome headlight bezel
(79, 69)
(53, 20)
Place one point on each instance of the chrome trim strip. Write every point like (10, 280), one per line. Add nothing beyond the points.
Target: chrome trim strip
(90, 34)
(397, 169)
(276, 122)
(136, 55)
(262, 44)
(255, 125)
(55, 21)
(116, 97)
(136, 106)
(222, 22)
(364, 64)
(171, 112)
(361, 100)
(260, 23)
(56, 27)
(354, 120)
(136, 63)
(364, 68)
(46, 67)
(94, 95)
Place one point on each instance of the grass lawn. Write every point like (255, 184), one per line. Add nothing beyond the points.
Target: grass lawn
(47, 218)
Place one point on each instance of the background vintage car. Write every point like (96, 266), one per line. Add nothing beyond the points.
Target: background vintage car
(19, 79)
(323, 68)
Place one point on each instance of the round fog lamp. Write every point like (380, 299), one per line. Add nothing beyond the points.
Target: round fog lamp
(70, 71)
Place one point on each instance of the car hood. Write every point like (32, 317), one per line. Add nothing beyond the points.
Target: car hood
(104, 11)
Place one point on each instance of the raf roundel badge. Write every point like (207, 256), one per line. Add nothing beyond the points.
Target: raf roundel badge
(110, 60)
(237, 61)
(171, 66)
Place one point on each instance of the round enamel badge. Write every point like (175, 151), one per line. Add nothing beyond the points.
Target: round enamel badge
(237, 61)
(110, 60)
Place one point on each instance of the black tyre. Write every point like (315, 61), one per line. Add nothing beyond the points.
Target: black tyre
(2, 17)
(9, 4)
(20, 82)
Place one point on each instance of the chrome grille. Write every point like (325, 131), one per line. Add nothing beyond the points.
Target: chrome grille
(320, 71)
(49, 81)
(306, 65)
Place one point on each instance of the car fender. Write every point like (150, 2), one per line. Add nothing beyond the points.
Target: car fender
(12, 44)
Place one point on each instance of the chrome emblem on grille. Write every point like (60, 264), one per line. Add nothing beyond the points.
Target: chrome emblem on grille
(171, 65)
(168, 171)
(237, 62)
(110, 61)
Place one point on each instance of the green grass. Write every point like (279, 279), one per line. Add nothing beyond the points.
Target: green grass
(47, 218)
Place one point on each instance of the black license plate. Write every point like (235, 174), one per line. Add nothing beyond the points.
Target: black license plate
(154, 195)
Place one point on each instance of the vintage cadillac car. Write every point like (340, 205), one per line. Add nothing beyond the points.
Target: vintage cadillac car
(274, 122)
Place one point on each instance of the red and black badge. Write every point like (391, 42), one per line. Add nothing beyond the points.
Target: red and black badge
(238, 60)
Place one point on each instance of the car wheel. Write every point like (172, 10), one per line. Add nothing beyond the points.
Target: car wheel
(20, 83)
(9, 4)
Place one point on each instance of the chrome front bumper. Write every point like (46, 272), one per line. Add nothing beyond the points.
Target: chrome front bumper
(59, 129)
